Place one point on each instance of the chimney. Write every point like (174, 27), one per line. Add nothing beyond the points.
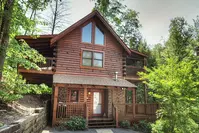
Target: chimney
(116, 78)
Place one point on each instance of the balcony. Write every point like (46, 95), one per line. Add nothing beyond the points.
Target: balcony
(47, 68)
(132, 66)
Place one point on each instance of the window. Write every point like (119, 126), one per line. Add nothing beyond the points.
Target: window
(92, 59)
(86, 33)
(74, 96)
(89, 33)
(99, 36)
(129, 96)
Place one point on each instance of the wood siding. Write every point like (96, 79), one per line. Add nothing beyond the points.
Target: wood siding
(69, 55)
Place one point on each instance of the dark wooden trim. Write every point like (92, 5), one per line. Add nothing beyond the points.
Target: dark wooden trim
(134, 101)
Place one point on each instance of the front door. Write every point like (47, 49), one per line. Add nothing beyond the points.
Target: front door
(97, 103)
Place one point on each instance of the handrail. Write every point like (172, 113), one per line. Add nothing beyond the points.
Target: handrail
(86, 113)
(115, 114)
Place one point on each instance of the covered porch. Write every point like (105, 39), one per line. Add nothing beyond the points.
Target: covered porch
(95, 98)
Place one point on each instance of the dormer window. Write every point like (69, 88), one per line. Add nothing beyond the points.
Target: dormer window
(99, 36)
(92, 34)
(87, 33)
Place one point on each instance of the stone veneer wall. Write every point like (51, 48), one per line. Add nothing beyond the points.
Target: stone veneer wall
(34, 123)
(116, 96)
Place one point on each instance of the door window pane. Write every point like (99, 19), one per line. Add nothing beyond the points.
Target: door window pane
(86, 33)
(99, 36)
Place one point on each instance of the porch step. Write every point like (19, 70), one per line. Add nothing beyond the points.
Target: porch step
(101, 123)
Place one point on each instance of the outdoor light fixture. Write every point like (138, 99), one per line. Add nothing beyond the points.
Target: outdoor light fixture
(89, 93)
(123, 88)
(116, 76)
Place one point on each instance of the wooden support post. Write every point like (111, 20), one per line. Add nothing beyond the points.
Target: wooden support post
(116, 117)
(55, 105)
(85, 94)
(145, 93)
(134, 102)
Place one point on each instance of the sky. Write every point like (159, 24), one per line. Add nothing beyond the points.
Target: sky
(154, 15)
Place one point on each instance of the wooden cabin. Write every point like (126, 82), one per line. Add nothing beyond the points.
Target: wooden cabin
(92, 73)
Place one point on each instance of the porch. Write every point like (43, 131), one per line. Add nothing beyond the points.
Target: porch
(105, 102)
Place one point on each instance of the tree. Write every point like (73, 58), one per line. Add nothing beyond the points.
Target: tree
(58, 17)
(13, 16)
(174, 82)
(123, 20)
(14, 21)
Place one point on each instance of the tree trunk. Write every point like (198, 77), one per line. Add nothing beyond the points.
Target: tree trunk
(55, 17)
(4, 31)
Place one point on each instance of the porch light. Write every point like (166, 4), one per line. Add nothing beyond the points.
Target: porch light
(89, 93)
(123, 88)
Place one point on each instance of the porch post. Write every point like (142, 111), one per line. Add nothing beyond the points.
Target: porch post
(55, 105)
(85, 94)
(134, 98)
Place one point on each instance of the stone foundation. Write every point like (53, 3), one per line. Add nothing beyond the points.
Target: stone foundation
(34, 123)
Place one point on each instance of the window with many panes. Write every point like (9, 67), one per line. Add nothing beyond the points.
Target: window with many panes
(87, 35)
(92, 59)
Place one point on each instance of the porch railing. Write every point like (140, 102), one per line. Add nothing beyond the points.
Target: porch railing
(146, 109)
(66, 110)
(115, 115)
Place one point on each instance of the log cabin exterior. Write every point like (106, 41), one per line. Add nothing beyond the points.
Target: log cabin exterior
(92, 73)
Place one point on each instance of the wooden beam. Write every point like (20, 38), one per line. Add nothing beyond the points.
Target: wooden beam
(35, 71)
(85, 94)
(55, 105)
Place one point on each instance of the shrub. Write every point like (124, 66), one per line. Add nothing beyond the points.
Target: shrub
(143, 126)
(76, 123)
(125, 124)
(1, 124)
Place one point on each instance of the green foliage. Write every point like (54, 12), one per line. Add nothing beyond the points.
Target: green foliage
(175, 81)
(76, 123)
(1, 124)
(13, 86)
(125, 124)
(142, 126)
(123, 20)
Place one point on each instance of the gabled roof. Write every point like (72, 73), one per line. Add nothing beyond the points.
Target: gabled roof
(83, 20)
(136, 52)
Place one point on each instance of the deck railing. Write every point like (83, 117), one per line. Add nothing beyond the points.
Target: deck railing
(66, 110)
(49, 65)
(146, 109)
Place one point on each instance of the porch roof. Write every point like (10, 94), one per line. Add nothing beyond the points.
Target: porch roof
(90, 80)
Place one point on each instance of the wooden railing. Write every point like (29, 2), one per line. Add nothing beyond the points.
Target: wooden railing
(66, 110)
(115, 115)
(49, 65)
(86, 113)
(146, 109)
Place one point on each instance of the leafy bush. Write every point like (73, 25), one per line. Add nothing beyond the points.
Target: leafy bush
(125, 124)
(1, 124)
(76, 123)
(143, 126)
